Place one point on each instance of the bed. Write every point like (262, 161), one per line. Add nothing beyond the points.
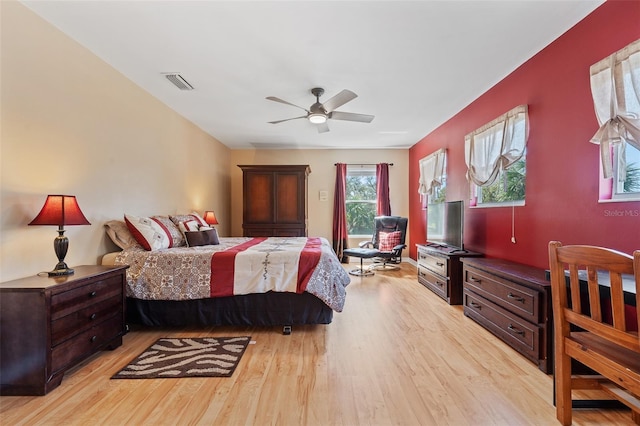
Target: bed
(245, 281)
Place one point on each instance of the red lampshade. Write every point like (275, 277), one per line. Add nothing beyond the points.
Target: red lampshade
(60, 210)
(210, 218)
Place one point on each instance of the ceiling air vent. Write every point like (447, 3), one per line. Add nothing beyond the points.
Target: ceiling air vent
(178, 81)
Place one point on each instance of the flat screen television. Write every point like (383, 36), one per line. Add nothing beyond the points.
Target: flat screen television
(445, 225)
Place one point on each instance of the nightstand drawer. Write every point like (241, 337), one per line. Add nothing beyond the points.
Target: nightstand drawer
(76, 322)
(67, 302)
(516, 298)
(86, 343)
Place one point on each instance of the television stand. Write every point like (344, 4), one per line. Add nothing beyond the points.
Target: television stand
(440, 270)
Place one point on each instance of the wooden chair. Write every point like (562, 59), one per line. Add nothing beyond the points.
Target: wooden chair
(580, 333)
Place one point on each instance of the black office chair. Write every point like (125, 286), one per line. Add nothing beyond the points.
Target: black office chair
(385, 247)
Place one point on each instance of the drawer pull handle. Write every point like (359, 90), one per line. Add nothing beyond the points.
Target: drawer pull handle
(475, 305)
(92, 317)
(516, 298)
(93, 294)
(475, 280)
(439, 263)
(439, 284)
(515, 330)
(93, 338)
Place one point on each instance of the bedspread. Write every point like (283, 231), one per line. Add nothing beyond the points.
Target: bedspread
(252, 265)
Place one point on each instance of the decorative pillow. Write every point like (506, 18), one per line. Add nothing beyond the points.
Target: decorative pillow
(172, 228)
(189, 226)
(202, 238)
(149, 232)
(119, 233)
(388, 240)
(185, 217)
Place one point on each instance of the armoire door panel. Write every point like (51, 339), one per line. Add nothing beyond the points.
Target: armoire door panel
(288, 208)
(259, 202)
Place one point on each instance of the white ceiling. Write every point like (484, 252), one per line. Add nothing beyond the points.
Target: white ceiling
(413, 64)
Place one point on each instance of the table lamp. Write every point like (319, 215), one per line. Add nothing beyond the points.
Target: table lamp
(60, 210)
(210, 217)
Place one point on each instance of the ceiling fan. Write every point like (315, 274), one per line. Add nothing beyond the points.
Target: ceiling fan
(319, 113)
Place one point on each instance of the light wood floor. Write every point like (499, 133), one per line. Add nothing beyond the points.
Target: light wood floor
(397, 355)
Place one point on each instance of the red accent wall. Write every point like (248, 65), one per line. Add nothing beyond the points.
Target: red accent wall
(562, 166)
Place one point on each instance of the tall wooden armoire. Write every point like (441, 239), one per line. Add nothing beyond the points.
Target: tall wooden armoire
(274, 200)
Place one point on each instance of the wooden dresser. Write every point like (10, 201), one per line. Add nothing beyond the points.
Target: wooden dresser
(274, 200)
(440, 270)
(48, 325)
(512, 301)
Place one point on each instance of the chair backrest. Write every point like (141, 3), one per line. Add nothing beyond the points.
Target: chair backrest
(585, 310)
(389, 224)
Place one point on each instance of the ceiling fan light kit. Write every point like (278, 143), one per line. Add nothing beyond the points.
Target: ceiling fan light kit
(317, 118)
(319, 113)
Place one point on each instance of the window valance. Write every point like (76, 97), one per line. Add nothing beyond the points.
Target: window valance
(496, 145)
(431, 172)
(615, 87)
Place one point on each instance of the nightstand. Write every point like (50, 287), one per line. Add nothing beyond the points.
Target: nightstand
(50, 324)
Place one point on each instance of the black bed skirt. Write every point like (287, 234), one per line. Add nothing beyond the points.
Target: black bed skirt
(266, 309)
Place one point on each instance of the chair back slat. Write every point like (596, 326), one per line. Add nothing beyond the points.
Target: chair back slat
(617, 302)
(594, 293)
(574, 284)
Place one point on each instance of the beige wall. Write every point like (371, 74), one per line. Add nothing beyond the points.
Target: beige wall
(71, 124)
(322, 178)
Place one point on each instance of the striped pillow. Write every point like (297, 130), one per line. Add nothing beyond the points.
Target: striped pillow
(149, 232)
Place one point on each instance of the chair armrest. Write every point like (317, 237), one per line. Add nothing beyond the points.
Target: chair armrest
(366, 244)
(399, 247)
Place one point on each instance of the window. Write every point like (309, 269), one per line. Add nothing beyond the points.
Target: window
(615, 87)
(361, 200)
(496, 159)
(508, 187)
(433, 177)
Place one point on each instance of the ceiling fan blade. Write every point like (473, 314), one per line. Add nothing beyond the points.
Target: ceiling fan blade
(350, 116)
(339, 100)
(273, 98)
(323, 127)
(287, 119)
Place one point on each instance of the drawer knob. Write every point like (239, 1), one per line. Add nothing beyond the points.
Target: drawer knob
(93, 338)
(92, 317)
(516, 298)
(515, 330)
(93, 294)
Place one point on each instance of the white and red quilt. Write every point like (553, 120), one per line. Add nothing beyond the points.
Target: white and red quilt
(237, 266)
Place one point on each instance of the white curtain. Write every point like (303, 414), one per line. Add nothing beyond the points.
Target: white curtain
(431, 172)
(496, 145)
(615, 86)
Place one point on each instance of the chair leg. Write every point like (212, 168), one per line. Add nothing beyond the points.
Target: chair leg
(563, 388)
(361, 272)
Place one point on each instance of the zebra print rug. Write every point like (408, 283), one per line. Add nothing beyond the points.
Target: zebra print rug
(187, 357)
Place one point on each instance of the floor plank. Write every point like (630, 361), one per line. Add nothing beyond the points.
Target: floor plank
(397, 355)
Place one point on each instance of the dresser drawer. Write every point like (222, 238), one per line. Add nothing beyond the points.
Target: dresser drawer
(522, 335)
(78, 321)
(521, 300)
(437, 284)
(438, 265)
(86, 343)
(65, 303)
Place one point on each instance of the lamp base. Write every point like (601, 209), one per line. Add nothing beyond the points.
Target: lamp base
(60, 270)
